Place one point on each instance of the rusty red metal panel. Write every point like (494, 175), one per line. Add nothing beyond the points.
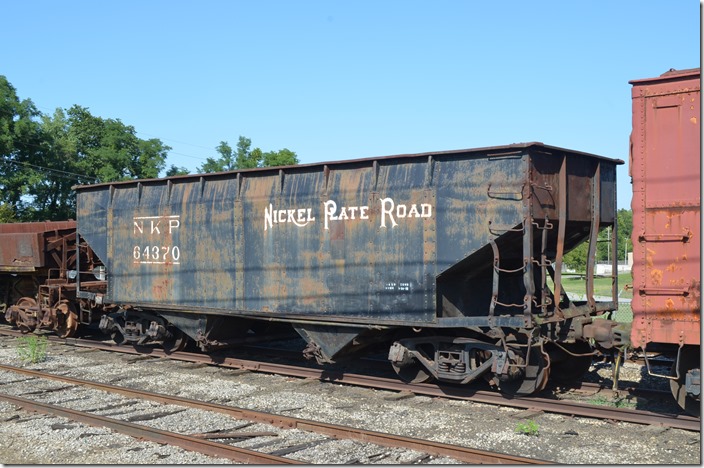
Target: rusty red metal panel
(22, 245)
(665, 169)
(36, 227)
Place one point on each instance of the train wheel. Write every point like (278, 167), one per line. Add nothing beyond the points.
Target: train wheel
(25, 322)
(66, 319)
(533, 378)
(117, 336)
(11, 316)
(412, 372)
(689, 359)
(177, 342)
(565, 368)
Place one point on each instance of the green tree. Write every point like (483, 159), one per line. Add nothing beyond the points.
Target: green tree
(6, 213)
(605, 251)
(226, 161)
(246, 157)
(283, 157)
(79, 148)
(43, 156)
(625, 229)
(48, 191)
(174, 170)
(109, 150)
(149, 160)
(576, 259)
(20, 136)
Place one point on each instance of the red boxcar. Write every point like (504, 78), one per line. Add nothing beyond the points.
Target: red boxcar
(665, 170)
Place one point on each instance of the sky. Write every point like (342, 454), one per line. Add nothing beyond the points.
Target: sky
(336, 80)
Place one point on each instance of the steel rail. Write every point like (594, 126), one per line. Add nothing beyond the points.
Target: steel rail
(213, 449)
(578, 387)
(573, 408)
(464, 454)
(436, 390)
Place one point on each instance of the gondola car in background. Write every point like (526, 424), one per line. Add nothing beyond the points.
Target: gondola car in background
(38, 263)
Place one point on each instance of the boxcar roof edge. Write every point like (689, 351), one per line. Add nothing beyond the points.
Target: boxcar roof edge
(671, 74)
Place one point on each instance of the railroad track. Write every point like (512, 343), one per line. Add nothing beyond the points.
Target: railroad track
(532, 403)
(201, 443)
(382, 366)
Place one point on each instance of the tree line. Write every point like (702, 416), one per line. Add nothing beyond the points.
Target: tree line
(43, 155)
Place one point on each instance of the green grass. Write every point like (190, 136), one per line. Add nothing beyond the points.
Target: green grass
(32, 348)
(577, 285)
(600, 400)
(602, 285)
(529, 428)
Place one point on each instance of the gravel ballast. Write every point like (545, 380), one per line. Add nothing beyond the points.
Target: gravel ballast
(28, 438)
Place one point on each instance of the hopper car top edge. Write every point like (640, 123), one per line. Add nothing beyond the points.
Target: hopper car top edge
(36, 227)
(500, 148)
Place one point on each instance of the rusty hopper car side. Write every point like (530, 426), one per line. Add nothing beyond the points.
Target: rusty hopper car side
(26, 257)
(37, 263)
(450, 256)
(23, 246)
(665, 167)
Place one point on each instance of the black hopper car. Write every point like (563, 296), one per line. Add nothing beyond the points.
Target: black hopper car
(450, 261)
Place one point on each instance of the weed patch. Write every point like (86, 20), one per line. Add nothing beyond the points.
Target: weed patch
(32, 349)
(529, 428)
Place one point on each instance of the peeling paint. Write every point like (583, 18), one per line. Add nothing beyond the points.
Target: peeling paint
(665, 169)
(656, 276)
